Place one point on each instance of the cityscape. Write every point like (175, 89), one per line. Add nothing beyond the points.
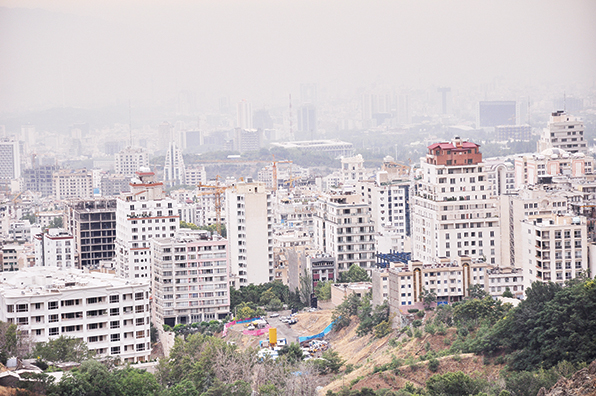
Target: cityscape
(261, 198)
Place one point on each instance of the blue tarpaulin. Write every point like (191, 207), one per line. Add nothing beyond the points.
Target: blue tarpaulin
(320, 335)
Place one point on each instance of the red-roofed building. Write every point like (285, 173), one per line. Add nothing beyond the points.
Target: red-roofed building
(455, 209)
(456, 153)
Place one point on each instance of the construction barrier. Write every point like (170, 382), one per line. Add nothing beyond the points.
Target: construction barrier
(230, 324)
(320, 335)
(257, 332)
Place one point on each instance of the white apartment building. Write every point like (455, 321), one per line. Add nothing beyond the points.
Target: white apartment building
(501, 175)
(352, 170)
(142, 215)
(130, 160)
(501, 279)
(565, 132)
(190, 278)
(555, 248)
(55, 248)
(249, 221)
(195, 175)
(527, 202)
(455, 211)
(449, 279)
(174, 169)
(110, 314)
(206, 213)
(73, 184)
(344, 229)
(10, 159)
(389, 203)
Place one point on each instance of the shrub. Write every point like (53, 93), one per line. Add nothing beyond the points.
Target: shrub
(417, 323)
(486, 361)
(418, 333)
(430, 328)
(409, 332)
(420, 314)
(433, 365)
(446, 341)
(457, 358)
(413, 310)
(500, 360)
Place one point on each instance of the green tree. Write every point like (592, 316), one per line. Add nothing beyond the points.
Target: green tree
(478, 291)
(305, 287)
(354, 274)
(428, 298)
(292, 352)
(134, 382)
(90, 379)
(183, 388)
(454, 384)
(330, 362)
(323, 290)
(507, 293)
(63, 349)
(8, 341)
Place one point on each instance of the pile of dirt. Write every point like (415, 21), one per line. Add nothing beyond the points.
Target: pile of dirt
(310, 323)
(582, 383)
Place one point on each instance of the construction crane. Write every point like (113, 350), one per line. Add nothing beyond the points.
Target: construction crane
(217, 192)
(290, 182)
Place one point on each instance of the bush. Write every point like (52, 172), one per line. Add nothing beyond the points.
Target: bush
(433, 365)
(430, 328)
(417, 323)
(500, 360)
(413, 310)
(420, 314)
(457, 358)
(409, 332)
(418, 333)
(349, 368)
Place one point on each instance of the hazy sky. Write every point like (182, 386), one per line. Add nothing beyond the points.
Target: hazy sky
(88, 53)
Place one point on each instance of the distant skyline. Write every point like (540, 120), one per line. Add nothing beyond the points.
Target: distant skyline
(97, 53)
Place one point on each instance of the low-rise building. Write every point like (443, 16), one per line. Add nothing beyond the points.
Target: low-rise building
(110, 314)
(340, 291)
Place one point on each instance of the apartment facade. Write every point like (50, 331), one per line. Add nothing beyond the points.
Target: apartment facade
(54, 248)
(455, 211)
(563, 131)
(110, 314)
(144, 214)
(130, 160)
(70, 183)
(190, 278)
(344, 229)
(249, 219)
(554, 248)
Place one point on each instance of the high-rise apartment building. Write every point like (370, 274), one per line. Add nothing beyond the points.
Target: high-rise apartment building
(113, 185)
(92, 222)
(247, 140)
(244, 115)
(142, 215)
(174, 170)
(40, 179)
(307, 120)
(10, 159)
(454, 211)
(130, 160)
(344, 229)
(55, 248)
(69, 183)
(554, 248)
(249, 225)
(190, 278)
(565, 132)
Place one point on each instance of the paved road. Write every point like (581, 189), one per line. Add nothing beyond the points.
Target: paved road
(284, 330)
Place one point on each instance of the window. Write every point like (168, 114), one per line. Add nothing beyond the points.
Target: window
(114, 311)
(54, 331)
(114, 299)
(115, 350)
(53, 305)
(115, 324)
(115, 337)
(139, 296)
(140, 321)
(141, 347)
(22, 307)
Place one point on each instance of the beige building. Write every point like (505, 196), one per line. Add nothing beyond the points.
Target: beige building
(340, 291)
(554, 248)
(565, 132)
(70, 183)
